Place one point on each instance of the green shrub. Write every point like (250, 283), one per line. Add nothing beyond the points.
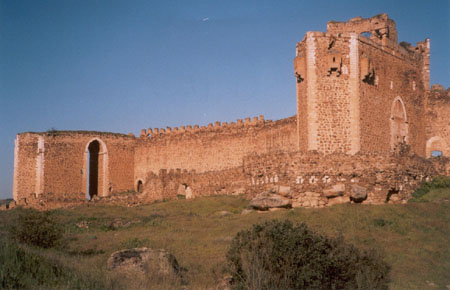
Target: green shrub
(37, 229)
(279, 255)
(436, 183)
(20, 269)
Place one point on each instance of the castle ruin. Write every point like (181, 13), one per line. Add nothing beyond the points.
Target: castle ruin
(366, 120)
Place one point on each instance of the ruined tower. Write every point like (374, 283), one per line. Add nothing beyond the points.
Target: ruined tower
(359, 90)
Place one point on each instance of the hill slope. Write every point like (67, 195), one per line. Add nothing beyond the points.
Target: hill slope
(414, 238)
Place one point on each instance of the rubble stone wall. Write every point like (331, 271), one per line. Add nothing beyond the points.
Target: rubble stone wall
(315, 179)
(211, 148)
(438, 121)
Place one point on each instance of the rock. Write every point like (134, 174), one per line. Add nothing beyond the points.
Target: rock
(3, 207)
(394, 198)
(117, 224)
(181, 190)
(335, 190)
(246, 211)
(264, 201)
(310, 194)
(431, 284)
(284, 190)
(338, 200)
(314, 202)
(189, 193)
(83, 224)
(296, 204)
(359, 193)
(276, 208)
(306, 203)
(143, 260)
(238, 191)
(224, 213)
(12, 204)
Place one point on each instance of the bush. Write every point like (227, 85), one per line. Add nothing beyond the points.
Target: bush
(20, 269)
(37, 229)
(437, 182)
(278, 255)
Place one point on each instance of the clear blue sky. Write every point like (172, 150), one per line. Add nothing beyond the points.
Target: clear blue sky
(122, 66)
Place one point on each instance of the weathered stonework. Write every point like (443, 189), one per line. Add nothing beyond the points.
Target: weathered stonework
(366, 119)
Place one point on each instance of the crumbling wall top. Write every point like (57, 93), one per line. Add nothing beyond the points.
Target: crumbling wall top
(378, 27)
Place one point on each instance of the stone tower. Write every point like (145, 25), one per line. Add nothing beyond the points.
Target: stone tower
(359, 90)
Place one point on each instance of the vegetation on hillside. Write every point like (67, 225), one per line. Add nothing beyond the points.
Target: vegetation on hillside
(279, 255)
(412, 238)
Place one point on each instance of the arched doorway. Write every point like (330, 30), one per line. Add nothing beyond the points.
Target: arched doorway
(93, 151)
(139, 186)
(95, 171)
(399, 123)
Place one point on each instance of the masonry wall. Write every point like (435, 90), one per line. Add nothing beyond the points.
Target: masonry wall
(309, 175)
(213, 148)
(332, 98)
(25, 165)
(56, 163)
(438, 121)
(302, 74)
(329, 97)
(397, 75)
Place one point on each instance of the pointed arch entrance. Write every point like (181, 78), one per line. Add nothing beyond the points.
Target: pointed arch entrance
(399, 123)
(95, 169)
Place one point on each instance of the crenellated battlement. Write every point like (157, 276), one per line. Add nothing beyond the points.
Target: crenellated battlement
(211, 127)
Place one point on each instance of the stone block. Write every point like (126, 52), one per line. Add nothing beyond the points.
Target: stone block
(335, 190)
(338, 200)
(358, 193)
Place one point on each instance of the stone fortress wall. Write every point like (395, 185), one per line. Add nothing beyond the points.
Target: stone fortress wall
(212, 148)
(364, 116)
(57, 162)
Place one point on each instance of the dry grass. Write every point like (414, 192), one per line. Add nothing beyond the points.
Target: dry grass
(414, 238)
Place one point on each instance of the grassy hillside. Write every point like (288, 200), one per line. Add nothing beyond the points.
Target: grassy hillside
(414, 238)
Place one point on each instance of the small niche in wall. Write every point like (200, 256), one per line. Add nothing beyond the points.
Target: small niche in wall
(334, 64)
(367, 71)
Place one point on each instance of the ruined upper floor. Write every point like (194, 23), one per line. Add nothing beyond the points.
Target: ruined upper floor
(377, 28)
